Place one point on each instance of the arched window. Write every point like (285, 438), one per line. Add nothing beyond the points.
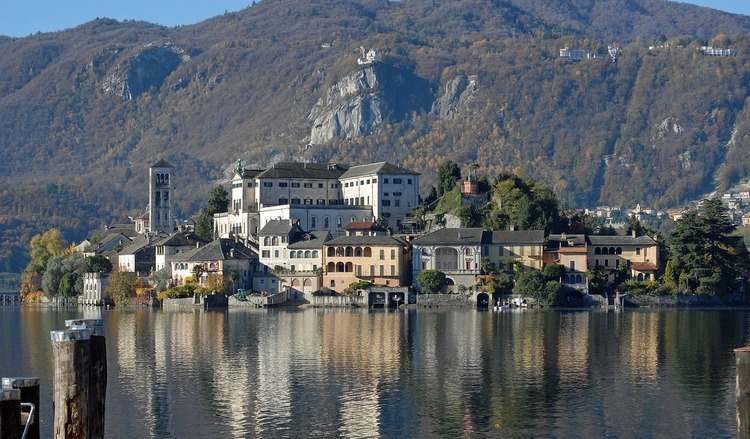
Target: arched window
(331, 267)
(367, 252)
(295, 282)
(340, 267)
(307, 282)
(283, 200)
(292, 254)
(612, 251)
(307, 254)
(604, 250)
(619, 250)
(340, 251)
(326, 222)
(275, 240)
(358, 252)
(315, 254)
(331, 251)
(308, 200)
(313, 223)
(597, 251)
(352, 219)
(339, 222)
(295, 200)
(348, 252)
(349, 267)
(321, 201)
(267, 241)
(468, 251)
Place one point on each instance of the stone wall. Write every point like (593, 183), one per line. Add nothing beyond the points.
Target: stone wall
(737, 299)
(445, 300)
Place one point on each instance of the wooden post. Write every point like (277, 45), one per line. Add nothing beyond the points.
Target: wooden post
(98, 377)
(71, 351)
(29, 387)
(10, 413)
(742, 357)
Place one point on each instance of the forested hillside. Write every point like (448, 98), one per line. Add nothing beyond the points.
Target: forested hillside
(84, 112)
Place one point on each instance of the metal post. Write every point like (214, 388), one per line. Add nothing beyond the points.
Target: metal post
(10, 413)
(742, 357)
(71, 351)
(29, 387)
(98, 376)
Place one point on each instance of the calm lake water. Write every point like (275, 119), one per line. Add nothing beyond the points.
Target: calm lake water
(416, 373)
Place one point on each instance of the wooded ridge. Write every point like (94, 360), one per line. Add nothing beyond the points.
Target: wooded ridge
(84, 112)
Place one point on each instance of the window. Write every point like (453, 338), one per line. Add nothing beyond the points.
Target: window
(393, 270)
(283, 184)
(382, 270)
(382, 254)
(276, 254)
(408, 181)
(295, 200)
(267, 184)
(397, 194)
(374, 180)
(326, 222)
(386, 202)
(638, 251)
(333, 283)
(393, 254)
(266, 253)
(313, 223)
(385, 181)
(572, 265)
(339, 222)
(385, 194)
(292, 254)
(606, 262)
(283, 200)
(308, 200)
(320, 185)
(295, 184)
(308, 185)
(397, 203)
(397, 181)
(368, 181)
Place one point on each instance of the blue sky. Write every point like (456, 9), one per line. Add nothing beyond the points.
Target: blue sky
(19, 18)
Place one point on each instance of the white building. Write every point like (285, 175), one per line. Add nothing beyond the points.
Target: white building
(161, 197)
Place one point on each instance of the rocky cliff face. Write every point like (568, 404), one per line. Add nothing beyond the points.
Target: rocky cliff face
(138, 73)
(458, 93)
(353, 107)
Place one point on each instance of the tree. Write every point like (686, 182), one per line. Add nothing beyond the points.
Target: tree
(706, 257)
(553, 272)
(52, 276)
(98, 264)
(160, 279)
(198, 273)
(121, 287)
(218, 201)
(448, 173)
(216, 283)
(530, 284)
(43, 247)
(31, 284)
(67, 286)
(431, 281)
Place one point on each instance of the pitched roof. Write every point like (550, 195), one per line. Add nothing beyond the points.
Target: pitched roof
(366, 240)
(280, 227)
(644, 266)
(141, 242)
(376, 168)
(162, 164)
(518, 237)
(217, 250)
(179, 240)
(364, 225)
(310, 241)
(451, 236)
(303, 170)
(620, 240)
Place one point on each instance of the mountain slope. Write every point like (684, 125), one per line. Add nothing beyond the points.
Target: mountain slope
(87, 110)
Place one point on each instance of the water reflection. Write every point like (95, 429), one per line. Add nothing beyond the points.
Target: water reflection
(357, 373)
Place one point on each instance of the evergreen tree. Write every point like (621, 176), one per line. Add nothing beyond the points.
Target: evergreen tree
(448, 173)
(217, 202)
(706, 257)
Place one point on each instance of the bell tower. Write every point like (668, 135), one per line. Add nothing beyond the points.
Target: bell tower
(160, 197)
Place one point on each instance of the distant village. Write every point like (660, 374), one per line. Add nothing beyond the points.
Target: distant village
(297, 231)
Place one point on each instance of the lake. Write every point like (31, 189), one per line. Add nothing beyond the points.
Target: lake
(409, 373)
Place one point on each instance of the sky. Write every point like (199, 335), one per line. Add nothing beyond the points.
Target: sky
(20, 18)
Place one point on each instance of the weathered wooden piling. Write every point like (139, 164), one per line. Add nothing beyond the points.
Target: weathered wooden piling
(742, 358)
(29, 388)
(71, 351)
(98, 378)
(10, 413)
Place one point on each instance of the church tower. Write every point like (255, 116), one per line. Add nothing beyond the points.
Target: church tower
(160, 197)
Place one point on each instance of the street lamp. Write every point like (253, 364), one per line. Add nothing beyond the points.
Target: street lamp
(397, 298)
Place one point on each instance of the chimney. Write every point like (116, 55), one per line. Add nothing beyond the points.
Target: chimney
(634, 233)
